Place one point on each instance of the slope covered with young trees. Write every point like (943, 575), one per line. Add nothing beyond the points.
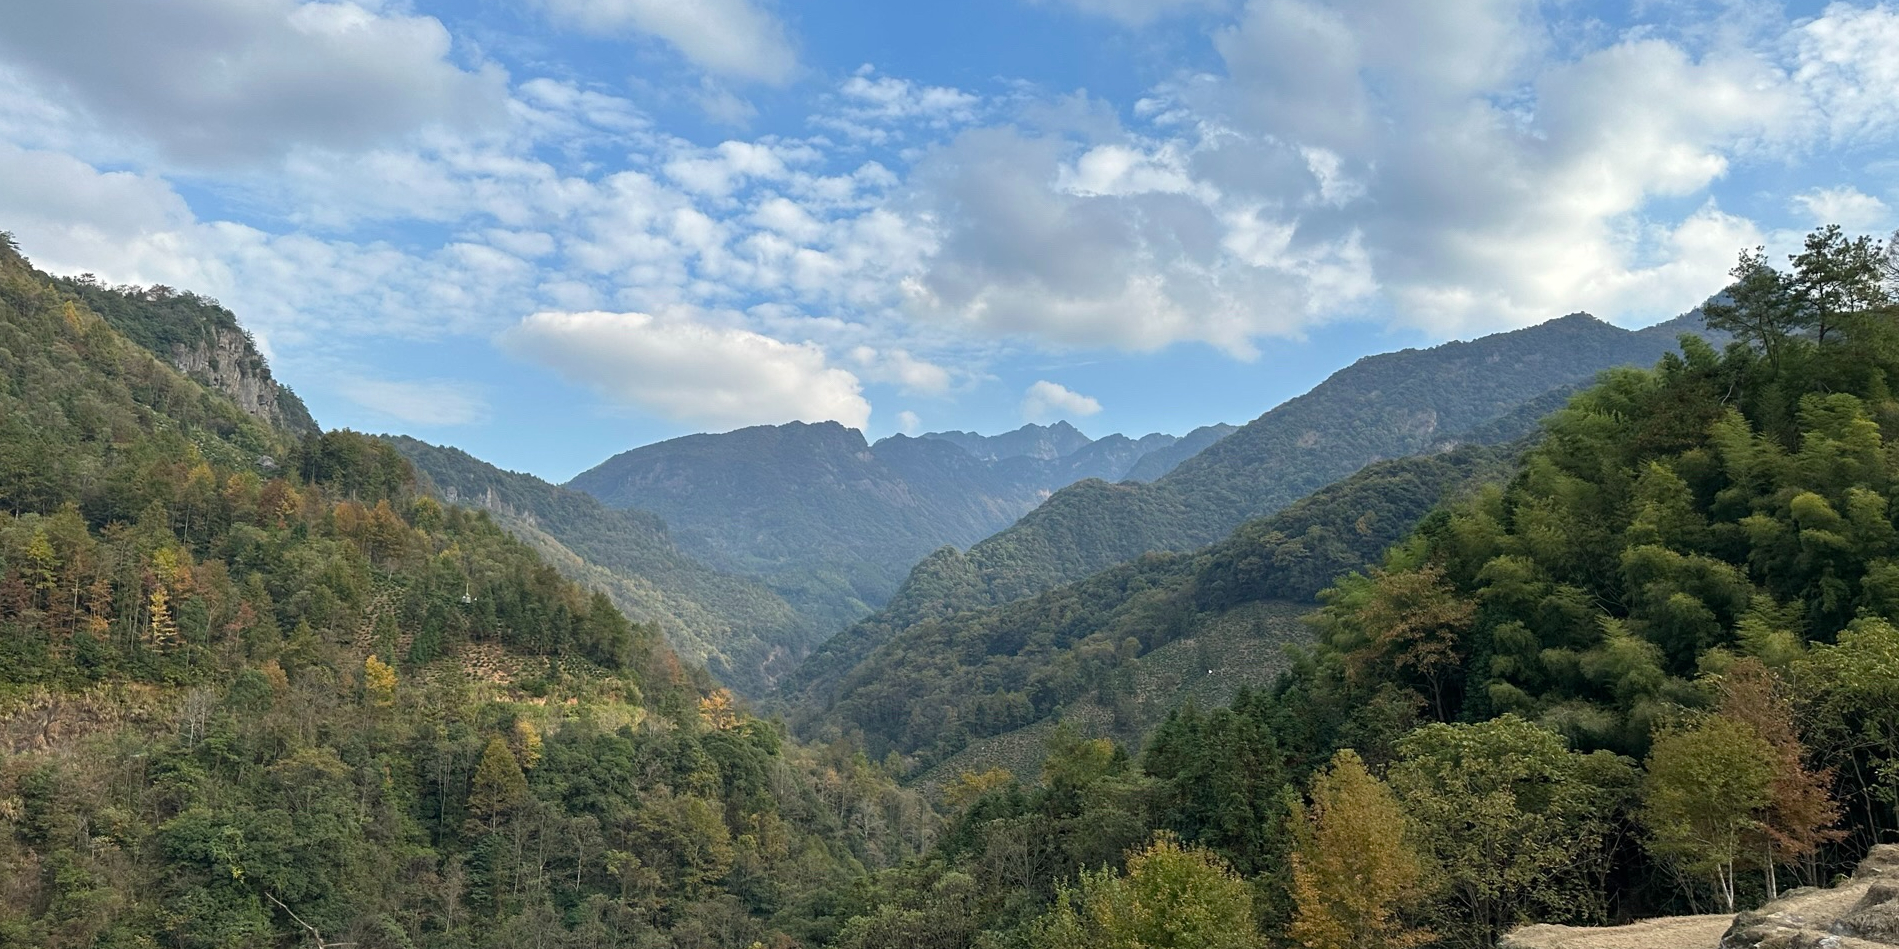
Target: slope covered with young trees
(257, 688)
(932, 683)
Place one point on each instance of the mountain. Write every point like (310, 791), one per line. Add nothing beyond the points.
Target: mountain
(983, 673)
(259, 688)
(199, 338)
(832, 523)
(1042, 442)
(1160, 461)
(1385, 406)
(744, 633)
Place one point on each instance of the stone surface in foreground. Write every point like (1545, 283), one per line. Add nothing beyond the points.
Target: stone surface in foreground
(1862, 913)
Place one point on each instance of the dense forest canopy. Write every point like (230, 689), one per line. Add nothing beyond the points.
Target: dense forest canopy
(259, 689)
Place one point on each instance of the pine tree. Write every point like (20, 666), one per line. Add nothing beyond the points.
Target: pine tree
(499, 784)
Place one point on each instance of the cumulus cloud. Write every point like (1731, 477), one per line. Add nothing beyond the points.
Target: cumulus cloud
(737, 38)
(1046, 401)
(689, 369)
(134, 228)
(1844, 205)
(1125, 250)
(213, 81)
(908, 422)
(420, 403)
(1329, 173)
(896, 366)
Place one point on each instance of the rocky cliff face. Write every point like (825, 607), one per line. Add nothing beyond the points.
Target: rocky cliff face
(226, 360)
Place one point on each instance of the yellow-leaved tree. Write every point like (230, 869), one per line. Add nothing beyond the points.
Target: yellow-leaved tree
(1355, 871)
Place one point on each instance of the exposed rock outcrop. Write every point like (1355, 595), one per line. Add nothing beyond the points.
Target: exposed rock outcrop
(226, 360)
(1861, 913)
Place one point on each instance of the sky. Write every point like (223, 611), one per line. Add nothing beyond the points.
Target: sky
(547, 231)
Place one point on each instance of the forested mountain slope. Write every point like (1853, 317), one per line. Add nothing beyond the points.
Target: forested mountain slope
(832, 523)
(1386, 406)
(744, 633)
(932, 683)
(257, 688)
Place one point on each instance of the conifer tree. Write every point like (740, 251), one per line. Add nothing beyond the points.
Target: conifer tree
(499, 784)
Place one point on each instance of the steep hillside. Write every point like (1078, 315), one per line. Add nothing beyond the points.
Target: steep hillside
(258, 689)
(833, 524)
(743, 632)
(1160, 461)
(927, 684)
(1386, 406)
(199, 338)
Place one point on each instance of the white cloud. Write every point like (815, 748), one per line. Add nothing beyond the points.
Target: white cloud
(1844, 205)
(419, 403)
(1130, 253)
(1846, 67)
(684, 368)
(874, 109)
(213, 81)
(1141, 12)
(294, 288)
(896, 366)
(737, 38)
(908, 422)
(1046, 401)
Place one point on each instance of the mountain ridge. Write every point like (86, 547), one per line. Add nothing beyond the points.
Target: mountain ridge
(832, 522)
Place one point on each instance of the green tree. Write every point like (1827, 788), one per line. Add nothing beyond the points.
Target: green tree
(1517, 826)
(499, 784)
(1707, 786)
(1172, 897)
(1355, 870)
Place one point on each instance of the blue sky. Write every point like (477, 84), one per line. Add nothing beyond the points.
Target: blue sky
(548, 231)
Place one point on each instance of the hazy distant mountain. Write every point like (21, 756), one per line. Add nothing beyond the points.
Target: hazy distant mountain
(834, 524)
(1043, 442)
(1160, 461)
(1381, 407)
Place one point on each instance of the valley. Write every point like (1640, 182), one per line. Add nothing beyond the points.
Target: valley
(1567, 626)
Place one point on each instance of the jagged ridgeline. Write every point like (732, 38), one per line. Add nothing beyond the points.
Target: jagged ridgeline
(833, 523)
(257, 688)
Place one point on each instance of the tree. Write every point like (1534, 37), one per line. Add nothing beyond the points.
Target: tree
(1412, 623)
(1801, 812)
(1172, 897)
(1355, 871)
(379, 681)
(1759, 307)
(1514, 821)
(499, 784)
(1707, 785)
